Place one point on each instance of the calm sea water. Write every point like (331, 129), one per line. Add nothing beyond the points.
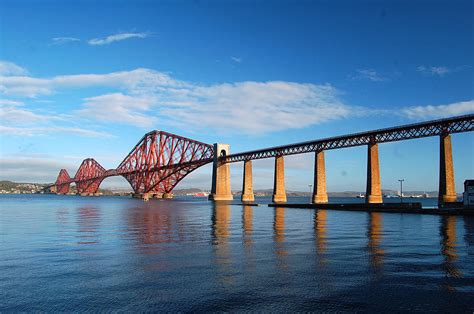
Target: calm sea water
(68, 253)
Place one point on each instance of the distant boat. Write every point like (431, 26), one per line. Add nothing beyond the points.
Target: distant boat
(360, 195)
(201, 194)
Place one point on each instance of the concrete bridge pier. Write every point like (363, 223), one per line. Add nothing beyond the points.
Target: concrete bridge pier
(220, 190)
(279, 194)
(247, 186)
(320, 195)
(447, 190)
(373, 193)
(167, 195)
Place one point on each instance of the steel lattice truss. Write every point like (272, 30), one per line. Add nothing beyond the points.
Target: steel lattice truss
(62, 182)
(406, 132)
(155, 165)
(89, 176)
(160, 160)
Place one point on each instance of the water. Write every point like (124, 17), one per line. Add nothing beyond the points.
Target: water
(68, 253)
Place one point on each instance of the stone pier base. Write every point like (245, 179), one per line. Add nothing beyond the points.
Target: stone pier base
(320, 195)
(220, 190)
(373, 193)
(247, 187)
(447, 190)
(279, 193)
(168, 195)
(142, 196)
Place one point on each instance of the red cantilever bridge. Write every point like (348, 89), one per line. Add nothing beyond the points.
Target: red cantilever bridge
(161, 160)
(155, 165)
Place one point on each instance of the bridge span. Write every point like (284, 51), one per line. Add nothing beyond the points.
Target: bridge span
(161, 160)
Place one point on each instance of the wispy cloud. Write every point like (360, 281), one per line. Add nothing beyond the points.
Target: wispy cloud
(118, 107)
(235, 59)
(8, 102)
(144, 95)
(18, 120)
(64, 40)
(12, 112)
(439, 111)
(117, 37)
(11, 69)
(368, 74)
(440, 70)
(434, 70)
(31, 169)
(38, 131)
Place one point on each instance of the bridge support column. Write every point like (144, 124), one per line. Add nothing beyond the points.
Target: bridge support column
(320, 195)
(279, 194)
(447, 190)
(373, 193)
(220, 190)
(247, 186)
(167, 195)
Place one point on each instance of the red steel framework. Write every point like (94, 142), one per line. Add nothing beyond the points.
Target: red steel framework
(155, 165)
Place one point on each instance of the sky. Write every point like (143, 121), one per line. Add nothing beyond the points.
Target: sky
(88, 78)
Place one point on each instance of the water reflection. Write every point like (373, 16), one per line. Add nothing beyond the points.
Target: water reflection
(374, 235)
(88, 221)
(62, 216)
(279, 237)
(469, 233)
(320, 237)
(220, 240)
(448, 249)
(247, 225)
(320, 220)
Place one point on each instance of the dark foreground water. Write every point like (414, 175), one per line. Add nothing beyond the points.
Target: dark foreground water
(67, 253)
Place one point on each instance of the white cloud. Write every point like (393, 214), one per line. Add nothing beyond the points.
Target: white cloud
(24, 86)
(117, 37)
(64, 40)
(37, 131)
(235, 59)
(119, 108)
(440, 111)
(8, 102)
(11, 69)
(434, 70)
(255, 107)
(143, 95)
(15, 114)
(135, 81)
(21, 169)
(17, 120)
(368, 74)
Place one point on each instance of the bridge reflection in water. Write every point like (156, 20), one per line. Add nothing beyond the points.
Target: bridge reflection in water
(279, 238)
(448, 250)
(374, 235)
(221, 215)
(153, 226)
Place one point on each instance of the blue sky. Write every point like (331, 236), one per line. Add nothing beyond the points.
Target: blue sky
(88, 79)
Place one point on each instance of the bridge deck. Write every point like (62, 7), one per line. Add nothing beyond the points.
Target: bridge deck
(405, 132)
